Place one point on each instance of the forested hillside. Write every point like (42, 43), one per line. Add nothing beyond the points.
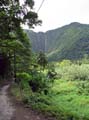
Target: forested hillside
(68, 42)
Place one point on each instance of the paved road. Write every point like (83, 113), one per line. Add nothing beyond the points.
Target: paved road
(6, 108)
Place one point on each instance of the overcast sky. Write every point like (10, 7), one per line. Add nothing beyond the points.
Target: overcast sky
(56, 13)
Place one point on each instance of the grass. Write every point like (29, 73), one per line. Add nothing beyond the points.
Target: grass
(69, 100)
(66, 100)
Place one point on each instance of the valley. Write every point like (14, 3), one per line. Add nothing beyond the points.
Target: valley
(68, 42)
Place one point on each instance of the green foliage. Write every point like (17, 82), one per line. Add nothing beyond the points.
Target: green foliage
(65, 63)
(85, 59)
(67, 99)
(23, 79)
(68, 42)
(18, 51)
(64, 102)
(39, 82)
(13, 41)
(23, 54)
(74, 72)
(11, 13)
(51, 74)
(83, 87)
(41, 60)
(71, 98)
(39, 98)
(24, 76)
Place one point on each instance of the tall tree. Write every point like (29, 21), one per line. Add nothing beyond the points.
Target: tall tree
(42, 60)
(13, 14)
(13, 40)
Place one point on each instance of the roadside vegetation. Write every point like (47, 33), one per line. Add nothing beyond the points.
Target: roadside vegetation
(64, 97)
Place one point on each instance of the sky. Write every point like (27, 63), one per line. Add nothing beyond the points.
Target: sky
(57, 13)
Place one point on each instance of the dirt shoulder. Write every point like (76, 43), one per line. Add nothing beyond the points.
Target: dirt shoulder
(24, 113)
(6, 107)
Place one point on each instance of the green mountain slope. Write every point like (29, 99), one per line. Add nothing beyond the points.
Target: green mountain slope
(68, 42)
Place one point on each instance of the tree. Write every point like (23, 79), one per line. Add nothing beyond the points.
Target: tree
(13, 14)
(42, 60)
(13, 41)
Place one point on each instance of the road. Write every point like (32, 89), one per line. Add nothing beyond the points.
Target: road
(15, 111)
(6, 108)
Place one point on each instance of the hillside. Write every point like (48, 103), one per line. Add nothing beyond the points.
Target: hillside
(68, 42)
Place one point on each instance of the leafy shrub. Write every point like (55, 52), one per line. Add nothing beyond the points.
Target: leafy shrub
(52, 74)
(39, 98)
(65, 63)
(23, 79)
(83, 87)
(75, 72)
(38, 82)
(24, 76)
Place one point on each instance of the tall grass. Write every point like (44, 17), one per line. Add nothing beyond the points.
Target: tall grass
(74, 72)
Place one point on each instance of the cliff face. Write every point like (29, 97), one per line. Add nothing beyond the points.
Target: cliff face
(68, 42)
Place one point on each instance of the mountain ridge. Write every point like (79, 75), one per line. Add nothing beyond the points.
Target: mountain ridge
(68, 42)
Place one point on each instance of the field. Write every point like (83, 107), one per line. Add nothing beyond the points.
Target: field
(68, 96)
(69, 99)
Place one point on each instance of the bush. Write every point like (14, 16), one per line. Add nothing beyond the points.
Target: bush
(65, 63)
(23, 79)
(38, 82)
(75, 72)
(24, 76)
(83, 87)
